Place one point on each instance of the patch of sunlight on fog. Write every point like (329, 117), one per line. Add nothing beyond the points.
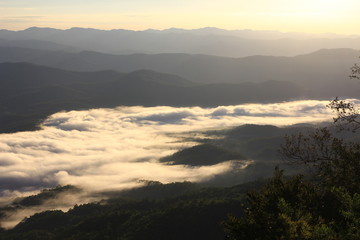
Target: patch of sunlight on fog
(114, 149)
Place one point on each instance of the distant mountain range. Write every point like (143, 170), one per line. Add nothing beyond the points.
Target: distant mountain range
(251, 34)
(208, 41)
(29, 93)
(43, 71)
(327, 69)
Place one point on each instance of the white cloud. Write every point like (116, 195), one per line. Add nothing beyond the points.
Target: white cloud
(115, 148)
(126, 139)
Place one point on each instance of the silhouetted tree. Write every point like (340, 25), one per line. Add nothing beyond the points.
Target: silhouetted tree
(328, 207)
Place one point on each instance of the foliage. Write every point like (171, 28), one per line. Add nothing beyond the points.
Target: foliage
(334, 161)
(355, 71)
(325, 207)
(295, 209)
(185, 211)
(347, 115)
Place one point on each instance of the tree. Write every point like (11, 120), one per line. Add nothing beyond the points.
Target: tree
(328, 206)
(347, 114)
(334, 162)
(283, 209)
(294, 209)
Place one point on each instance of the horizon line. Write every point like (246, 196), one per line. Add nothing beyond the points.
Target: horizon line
(182, 29)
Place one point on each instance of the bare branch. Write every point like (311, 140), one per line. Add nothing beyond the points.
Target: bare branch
(355, 71)
(347, 115)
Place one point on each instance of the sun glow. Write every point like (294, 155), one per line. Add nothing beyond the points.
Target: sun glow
(313, 16)
(329, 6)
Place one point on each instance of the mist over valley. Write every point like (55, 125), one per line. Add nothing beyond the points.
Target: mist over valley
(144, 126)
(113, 149)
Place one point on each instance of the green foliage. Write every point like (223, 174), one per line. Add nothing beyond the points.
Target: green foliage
(278, 211)
(294, 209)
(327, 207)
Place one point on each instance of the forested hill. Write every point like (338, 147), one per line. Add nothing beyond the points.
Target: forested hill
(155, 211)
(29, 93)
(326, 65)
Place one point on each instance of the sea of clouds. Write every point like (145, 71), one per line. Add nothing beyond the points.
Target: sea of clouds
(112, 149)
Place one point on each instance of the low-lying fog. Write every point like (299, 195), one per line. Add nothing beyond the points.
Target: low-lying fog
(106, 149)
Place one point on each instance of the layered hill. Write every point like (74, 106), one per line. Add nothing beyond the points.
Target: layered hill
(29, 93)
(209, 41)
(327, 67)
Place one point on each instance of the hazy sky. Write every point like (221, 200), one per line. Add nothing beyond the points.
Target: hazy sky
(315, 16)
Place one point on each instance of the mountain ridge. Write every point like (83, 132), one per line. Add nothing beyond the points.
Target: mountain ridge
(29, 93)
(209, 41)
(322, 66)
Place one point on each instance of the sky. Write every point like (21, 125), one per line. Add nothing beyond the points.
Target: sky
(311, 16)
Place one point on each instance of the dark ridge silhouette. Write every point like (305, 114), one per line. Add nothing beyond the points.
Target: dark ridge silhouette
(202, 155)
(156, 211)
(29, 93)
(320, 73)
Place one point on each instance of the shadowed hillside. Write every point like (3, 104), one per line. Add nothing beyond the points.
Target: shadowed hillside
(29, 93)
(321, 74)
